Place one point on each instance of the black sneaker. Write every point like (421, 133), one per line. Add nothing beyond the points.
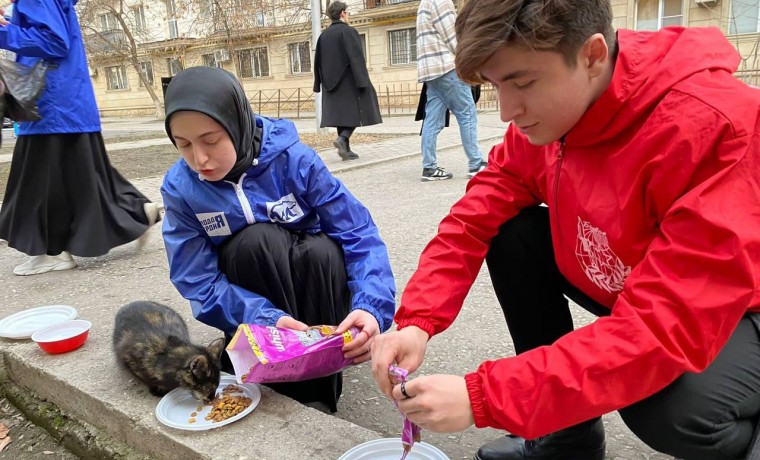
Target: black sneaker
(584, 441)
(429, 174)
(471, 173)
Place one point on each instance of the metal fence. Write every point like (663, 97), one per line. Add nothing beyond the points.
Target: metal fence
(396, 99)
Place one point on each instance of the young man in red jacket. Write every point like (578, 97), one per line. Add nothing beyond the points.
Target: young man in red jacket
(646, 152)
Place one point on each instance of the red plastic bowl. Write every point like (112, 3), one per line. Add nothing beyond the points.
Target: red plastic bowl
(63, 337)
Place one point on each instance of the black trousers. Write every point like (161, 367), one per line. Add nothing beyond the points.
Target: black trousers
(345, 132)
(304, 276)
(705, 416)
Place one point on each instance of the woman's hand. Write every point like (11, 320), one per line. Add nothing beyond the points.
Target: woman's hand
(438, 403)
(406, 348)
(288, 322)
(368, 328)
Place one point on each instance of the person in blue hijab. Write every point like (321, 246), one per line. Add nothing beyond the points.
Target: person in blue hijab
(258, 231)
(63, 196)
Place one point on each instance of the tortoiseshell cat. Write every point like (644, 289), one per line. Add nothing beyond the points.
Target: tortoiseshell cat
(151, 340)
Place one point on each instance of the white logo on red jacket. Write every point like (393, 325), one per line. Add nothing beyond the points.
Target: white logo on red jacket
(601, 265)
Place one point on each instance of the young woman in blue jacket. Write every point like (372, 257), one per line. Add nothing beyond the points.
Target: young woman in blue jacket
(258, 231)
(63, 196)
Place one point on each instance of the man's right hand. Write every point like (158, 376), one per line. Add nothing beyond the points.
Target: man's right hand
(406, 348)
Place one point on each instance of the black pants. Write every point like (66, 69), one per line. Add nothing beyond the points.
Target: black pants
(304, 276)
(345, 132)
(711, 415)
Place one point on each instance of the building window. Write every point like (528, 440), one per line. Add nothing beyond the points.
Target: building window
(402, 46)
(260, 19)
(117, 77)
(171, 8)
(253, 63)
(146, 68)
(656, 14)
(744, 16)
(300, 57)
(138, 12)
(173, 30)
(210, 61)
(173, 66)
(171, 15)
(108, 22)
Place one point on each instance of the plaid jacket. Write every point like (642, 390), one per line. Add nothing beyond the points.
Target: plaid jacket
(436, 38)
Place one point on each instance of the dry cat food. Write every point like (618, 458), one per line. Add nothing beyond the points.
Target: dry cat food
(224, 405)
(227, 406)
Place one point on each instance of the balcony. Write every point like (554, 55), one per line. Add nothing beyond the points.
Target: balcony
(110, 41)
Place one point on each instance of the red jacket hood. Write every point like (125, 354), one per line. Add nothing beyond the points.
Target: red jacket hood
(634, 91)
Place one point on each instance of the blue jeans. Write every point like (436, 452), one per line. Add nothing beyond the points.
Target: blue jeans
(448, 91)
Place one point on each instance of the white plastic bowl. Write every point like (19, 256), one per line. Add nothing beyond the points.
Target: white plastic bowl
(391, 449)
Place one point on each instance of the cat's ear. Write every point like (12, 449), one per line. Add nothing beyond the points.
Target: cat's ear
(199, 366)
(216, 348)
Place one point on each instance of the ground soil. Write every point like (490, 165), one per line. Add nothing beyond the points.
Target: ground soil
(28, 442)
(154, 161)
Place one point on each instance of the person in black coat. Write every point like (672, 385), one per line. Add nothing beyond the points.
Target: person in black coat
(349, 100)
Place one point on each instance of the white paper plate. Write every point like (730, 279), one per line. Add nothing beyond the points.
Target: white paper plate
(175, 408)
(23, 324)
(392, 449)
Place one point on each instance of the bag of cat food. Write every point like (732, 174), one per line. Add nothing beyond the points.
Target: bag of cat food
(410, 432)
(265, 354)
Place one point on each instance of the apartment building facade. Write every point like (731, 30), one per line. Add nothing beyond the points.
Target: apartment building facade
(268, 45)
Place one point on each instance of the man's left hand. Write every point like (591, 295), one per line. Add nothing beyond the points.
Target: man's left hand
(358, 349)
(438, 403)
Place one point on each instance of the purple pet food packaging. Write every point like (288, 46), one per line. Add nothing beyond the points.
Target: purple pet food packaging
(266, 354)
(410, 432)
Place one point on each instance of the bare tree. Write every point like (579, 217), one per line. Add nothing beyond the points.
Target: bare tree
(113, 31)
(739, 21)
(125, 32)
(231, 24)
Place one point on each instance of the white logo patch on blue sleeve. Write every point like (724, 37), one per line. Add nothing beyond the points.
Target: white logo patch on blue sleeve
(215, 223)
(285, 210)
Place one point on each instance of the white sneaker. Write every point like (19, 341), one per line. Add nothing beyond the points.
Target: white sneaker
(153, 213)
(471, 173)
(42, 264)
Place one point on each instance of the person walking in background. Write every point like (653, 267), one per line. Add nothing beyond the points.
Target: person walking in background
(436, 44)
(63, 196)
(349, 100)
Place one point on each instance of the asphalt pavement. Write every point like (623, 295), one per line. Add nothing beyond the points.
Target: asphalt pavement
(107, 414)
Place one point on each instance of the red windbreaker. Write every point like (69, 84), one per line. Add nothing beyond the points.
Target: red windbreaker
(654, 200)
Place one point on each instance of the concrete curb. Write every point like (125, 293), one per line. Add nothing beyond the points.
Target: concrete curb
(79, 437)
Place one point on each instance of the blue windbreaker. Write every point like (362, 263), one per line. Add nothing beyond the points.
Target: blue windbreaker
(49, 30)
(289, 186)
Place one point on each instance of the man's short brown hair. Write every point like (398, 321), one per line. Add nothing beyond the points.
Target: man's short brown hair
(335, 9)
(484, 26)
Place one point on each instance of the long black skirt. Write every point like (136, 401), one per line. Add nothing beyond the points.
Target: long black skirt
(302, 275)
(64, 195)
